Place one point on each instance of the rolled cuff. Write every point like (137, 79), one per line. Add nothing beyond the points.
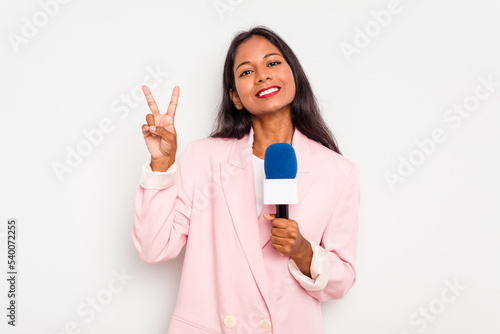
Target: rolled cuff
(158, 180)
(320, 269)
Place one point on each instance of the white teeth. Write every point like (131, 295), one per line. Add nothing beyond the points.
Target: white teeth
(270, 90)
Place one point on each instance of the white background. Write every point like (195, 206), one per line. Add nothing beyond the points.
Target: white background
(439, 225)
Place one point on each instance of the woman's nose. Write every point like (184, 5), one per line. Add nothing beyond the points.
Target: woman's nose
(263, 75)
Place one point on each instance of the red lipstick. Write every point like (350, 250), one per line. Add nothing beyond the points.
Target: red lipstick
(269, 94)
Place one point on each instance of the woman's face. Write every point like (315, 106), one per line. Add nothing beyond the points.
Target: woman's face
(264, 80)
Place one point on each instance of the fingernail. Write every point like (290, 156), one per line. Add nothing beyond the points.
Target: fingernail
(152, 128)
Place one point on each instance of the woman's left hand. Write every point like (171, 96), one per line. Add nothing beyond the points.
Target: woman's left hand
(285, 236)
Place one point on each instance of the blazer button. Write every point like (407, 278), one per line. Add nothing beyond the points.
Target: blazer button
(229, 321)
(264, 323)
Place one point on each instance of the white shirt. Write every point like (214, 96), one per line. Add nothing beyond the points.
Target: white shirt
(259, 176)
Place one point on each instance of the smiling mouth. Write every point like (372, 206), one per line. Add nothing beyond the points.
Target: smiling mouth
(268, 92)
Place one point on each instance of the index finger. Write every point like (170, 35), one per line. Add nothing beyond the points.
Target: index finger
(151, 101)
(280, 223)
(173, 102)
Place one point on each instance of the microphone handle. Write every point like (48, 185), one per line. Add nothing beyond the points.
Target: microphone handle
(282, 211)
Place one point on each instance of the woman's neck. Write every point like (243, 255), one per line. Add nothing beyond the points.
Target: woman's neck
(267, 133)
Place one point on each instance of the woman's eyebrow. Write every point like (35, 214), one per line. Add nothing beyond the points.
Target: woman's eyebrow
(247, 62)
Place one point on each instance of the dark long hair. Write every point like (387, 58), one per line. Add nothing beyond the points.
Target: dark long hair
(305, 114)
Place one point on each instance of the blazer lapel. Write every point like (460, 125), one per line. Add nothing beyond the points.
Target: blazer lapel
(239, 191)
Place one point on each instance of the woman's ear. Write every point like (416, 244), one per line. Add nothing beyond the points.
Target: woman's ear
(236, 99)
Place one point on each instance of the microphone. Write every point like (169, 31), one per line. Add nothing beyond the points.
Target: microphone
(280, 184)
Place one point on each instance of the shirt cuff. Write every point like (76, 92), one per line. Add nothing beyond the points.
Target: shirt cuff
(320, 269)
(158, 180)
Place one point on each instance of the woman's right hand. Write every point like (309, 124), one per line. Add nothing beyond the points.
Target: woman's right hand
(159, 133)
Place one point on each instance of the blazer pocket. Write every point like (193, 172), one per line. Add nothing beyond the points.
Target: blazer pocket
(182, 326)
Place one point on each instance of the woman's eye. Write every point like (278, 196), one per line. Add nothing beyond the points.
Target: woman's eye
(273, 63)
(244, 73)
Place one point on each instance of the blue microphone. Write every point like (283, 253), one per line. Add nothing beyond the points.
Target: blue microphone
(280, 184)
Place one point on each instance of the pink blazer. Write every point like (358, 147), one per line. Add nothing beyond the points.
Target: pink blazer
(231, 282)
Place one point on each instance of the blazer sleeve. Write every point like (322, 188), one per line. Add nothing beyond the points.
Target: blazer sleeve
(162, 213)
(340, 241)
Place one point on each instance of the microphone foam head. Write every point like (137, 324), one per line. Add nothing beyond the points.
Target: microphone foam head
(280, 161)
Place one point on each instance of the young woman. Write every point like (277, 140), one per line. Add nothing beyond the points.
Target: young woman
(246, 271)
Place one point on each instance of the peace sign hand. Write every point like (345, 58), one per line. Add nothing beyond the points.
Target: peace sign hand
(159, 134)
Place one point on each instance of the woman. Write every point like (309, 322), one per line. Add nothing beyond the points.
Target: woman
(244, 270)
